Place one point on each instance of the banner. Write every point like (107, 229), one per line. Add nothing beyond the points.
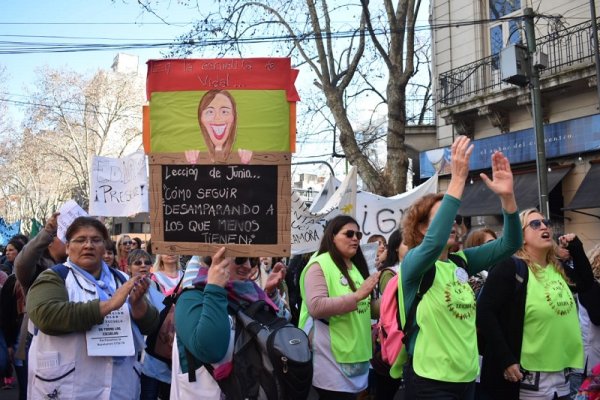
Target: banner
(119, 186)
(375, 214)
(67, 214)
(7, 231)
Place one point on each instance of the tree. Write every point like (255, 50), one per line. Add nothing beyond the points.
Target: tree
(346, 61)
(74, 117)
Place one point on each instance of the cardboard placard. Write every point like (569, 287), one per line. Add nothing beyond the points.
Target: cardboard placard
(203, 206)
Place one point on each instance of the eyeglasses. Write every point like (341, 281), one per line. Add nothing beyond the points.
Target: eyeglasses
(94, 241)
(140, 262)
(536, 224)
(350, 234)
(127, 243)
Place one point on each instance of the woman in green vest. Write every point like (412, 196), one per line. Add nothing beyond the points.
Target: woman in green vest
(336, 311)
(442, 346)
(528, 317)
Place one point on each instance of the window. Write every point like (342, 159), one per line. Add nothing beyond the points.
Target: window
(507, 30)
(118, 229)
(501, 8)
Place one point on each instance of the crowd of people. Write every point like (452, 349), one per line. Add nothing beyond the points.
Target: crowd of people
(503, 315)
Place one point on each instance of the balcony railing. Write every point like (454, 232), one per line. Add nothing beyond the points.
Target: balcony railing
(566, 48)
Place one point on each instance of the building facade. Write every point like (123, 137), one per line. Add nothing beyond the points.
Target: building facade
(471, 99)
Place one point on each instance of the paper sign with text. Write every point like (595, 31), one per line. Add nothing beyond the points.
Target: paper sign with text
(119, 186)
(68, 212)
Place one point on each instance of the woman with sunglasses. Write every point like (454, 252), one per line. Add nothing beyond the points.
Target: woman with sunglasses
(205, 327)
(528, 317)
(79, 308)
(336, 311)
(443, 360)
(167, 272)
(156, 375)
(123, 248)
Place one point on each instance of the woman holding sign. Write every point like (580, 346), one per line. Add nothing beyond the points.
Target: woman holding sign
(89, 323)
(336, 288)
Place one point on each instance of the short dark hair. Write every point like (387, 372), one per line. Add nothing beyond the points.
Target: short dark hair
(82, 222)
(328, 246)
(16, 243)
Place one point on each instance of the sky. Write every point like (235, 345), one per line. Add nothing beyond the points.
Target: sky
(96, 21)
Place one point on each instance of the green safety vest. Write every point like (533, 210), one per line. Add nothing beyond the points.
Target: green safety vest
(551, 332)
(446, 344)
(350, 333)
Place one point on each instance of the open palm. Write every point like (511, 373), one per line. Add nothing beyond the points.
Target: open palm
(502, 177)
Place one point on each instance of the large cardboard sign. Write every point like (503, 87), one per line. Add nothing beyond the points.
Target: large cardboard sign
(219, 135)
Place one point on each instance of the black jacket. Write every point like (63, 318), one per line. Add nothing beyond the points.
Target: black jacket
(500, 316)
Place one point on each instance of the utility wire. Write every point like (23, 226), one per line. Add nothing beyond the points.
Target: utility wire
(12, 47)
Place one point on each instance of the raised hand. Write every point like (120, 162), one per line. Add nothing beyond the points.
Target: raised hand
(502, 177)
(275, 278)
(461, 153)
(502, 181)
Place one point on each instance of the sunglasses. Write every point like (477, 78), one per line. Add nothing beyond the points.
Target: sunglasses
(140, 262)
(240, 260)
(127, 243)
(350, 234)
(536, 224)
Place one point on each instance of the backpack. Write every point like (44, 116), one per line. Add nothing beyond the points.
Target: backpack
(590, 388)
(272, 359)
(391, 333)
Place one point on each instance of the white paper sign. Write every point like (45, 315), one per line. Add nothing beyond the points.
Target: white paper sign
(376, 215)
(119, 186)
(113, 337)
(68, 212)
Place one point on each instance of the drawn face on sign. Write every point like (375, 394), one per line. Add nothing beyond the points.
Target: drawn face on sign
(217, 116)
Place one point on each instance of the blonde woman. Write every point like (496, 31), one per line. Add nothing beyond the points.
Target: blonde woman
(123, 249)
(528, 316)
(167, 272)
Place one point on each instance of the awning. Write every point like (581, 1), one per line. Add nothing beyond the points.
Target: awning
(588, 194)
(477, 199)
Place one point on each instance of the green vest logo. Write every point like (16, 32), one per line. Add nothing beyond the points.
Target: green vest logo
(460, 300)
(558, 297)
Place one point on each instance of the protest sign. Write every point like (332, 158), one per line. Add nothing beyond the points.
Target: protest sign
(119, 186)
(68, 212)
(375, 214)
(204, 206)
(220, 135)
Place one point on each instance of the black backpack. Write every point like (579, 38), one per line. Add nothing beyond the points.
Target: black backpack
(272, 359)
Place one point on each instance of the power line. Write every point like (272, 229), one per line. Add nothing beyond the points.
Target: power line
(13, 48)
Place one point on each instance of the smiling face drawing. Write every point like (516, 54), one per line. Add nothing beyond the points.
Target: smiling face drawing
(217, 115)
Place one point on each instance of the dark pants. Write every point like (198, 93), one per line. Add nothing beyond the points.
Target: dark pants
(152, 389)
(330, 395)
(386, 387)
(419, 388)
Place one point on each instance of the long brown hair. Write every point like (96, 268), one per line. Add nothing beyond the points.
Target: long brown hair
(204, 102)
(328, 246)
(551, 255)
